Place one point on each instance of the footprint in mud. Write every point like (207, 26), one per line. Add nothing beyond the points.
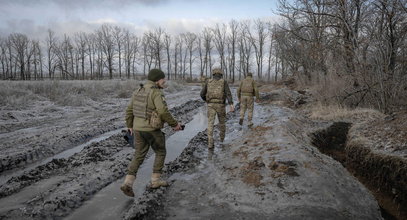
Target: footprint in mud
(283, 168)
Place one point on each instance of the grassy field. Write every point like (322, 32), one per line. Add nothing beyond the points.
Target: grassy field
(22, 94)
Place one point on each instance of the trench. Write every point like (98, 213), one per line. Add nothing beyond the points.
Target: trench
(5, 176)
(332, 141)
(111, 203)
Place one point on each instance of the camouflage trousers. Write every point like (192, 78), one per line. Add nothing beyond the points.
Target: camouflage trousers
(247, 103)
(213, 110)
(142, 142)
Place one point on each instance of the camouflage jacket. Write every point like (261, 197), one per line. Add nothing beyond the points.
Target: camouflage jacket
(243, 84)
(155, 101)
(226, 93)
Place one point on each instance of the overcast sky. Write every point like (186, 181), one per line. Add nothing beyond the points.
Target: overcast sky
(34, 17)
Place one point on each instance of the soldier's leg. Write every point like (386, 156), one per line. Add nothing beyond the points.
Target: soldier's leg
(243, 107)
(141, 146)
(157, 140)
(211, 122)
(158, 145)
(221, 111)
(250, 106)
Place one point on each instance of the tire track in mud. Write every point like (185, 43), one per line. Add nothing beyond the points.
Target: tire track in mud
(74, 180)
(49, 143)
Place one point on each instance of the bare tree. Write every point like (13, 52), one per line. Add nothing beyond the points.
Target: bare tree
(200, 49)
(178, 55)
(190, 40)
(208, 37)
(219, 33)
(148, 52)
(3, 58)
(118, 36)
(270, 50)
(245, 48)
(258, 44)
(19, 42)
(131, 45)
(81, 46)
(63, 51)
(107, 46)
(30, 50)
(234, 26)
(50, 48)
(167, 46)
(156, 46)
(91, 52)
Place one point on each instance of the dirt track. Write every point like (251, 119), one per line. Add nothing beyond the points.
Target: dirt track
(270, 171)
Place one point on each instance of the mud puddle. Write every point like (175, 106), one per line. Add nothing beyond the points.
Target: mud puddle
(110, 203)
(332, 141)
(5, 176)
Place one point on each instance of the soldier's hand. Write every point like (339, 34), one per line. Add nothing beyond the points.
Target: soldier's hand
(232, 108)
(177, 128)
(130, 130)
(257, 100)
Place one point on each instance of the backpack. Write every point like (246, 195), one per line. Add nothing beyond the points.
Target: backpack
(215, 90)
(140, 109)
(247, 86)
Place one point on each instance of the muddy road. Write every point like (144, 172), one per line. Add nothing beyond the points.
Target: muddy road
(82, 155)
(276, 170)
(269, 172)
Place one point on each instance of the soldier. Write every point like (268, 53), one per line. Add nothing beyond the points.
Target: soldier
(215, 92)
(245, 93)
(203, 80)
(145, 116)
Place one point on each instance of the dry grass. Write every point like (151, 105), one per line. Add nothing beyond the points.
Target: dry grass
(22, 94)
(340, 113)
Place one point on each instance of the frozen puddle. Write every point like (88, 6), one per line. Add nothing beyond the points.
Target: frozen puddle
(110, 202)
(65, 154)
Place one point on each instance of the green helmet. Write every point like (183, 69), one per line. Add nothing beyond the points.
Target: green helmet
(155, 75)
(249, 74)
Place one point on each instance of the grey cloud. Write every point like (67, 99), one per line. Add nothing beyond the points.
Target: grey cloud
(83, 4)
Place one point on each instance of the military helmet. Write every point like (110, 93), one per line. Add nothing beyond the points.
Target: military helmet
(217, 71)
(249, 74)
(155, 75)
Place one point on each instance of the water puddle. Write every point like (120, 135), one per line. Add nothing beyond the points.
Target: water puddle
(110, 202)
(65, 154)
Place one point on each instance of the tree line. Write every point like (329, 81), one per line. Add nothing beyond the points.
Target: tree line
(355, 50)
(112, 51)
(355, 46)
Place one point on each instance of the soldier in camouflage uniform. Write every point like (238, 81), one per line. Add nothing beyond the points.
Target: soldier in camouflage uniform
(215, 92)
(148, 101)
(245, 93)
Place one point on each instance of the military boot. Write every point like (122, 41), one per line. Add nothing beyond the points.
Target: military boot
(156, 182)
(222, 138)
(241, 121)
(127, 187)
(211, 145)
(210, 153)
